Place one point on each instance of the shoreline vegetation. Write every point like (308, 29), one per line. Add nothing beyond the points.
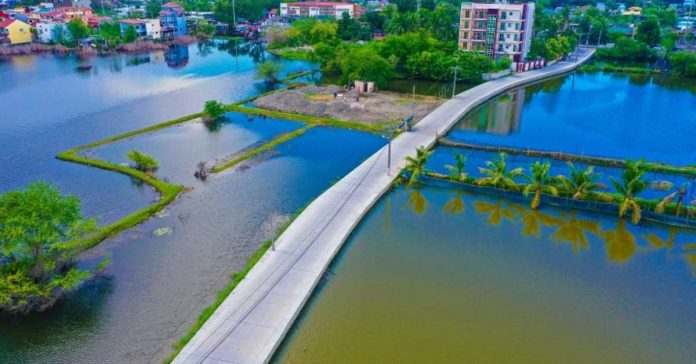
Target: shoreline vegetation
(136, 46)
(577, 190)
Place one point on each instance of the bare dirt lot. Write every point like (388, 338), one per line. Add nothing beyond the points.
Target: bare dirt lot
(376, 107)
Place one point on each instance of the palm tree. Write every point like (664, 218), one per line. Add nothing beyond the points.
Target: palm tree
(631, 184)
(457, 171)
(416, 165)
(540, 182)
(581, 182)
(497, 174)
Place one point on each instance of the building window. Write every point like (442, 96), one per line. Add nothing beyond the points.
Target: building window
(467, 14)
(517, 26)
(466, 25)
(504, 15)
(516, 37)
(501, 37)
(500, 47)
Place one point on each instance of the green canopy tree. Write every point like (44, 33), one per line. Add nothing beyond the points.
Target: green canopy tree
(364, 63)
(648, 31)
(39, 228)
(268, 71)
(631, 184)
(77, 30)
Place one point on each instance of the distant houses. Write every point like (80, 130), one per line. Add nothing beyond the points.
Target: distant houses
(144, 28)
(172, 20)
(13, 31)
(320, 9)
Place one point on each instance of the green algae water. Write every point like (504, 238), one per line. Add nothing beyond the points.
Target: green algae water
(435, 275)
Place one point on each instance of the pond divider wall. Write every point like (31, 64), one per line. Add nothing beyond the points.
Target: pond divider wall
(252, 322)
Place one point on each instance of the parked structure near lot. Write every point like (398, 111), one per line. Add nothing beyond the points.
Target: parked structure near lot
(497, 29)
(319, 9)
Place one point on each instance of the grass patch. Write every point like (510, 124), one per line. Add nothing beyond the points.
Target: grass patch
(266, 147)
(294, 54)
(167, 191)
(614, 68)
(376, 128)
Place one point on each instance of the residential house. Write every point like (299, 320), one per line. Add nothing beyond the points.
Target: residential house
(319, 9)
(52, 31)
(13, 31)
(172, 20)
(497, 29)
(144, 28)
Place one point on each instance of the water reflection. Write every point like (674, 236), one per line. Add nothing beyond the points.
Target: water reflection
(177, 56)
(563, 226)
(501, 117)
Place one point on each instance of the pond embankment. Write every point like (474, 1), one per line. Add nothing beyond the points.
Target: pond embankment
(250, 324)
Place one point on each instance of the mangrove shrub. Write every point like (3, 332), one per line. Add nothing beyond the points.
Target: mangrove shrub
(142, 162)
(38, 253)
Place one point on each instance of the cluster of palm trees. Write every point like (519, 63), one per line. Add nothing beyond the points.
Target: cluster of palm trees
(579, 184)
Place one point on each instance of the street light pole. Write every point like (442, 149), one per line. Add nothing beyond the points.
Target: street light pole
(454, 81)
(234, 15)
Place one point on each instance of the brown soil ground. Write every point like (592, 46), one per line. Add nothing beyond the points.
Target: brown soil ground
(376, 107)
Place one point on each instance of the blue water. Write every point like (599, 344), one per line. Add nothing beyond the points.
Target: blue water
(155, 285)
(604, 115)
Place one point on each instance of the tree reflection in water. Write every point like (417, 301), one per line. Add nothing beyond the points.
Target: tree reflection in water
(417, 202)
(455, 205)
(620, 243)
(574, 231)
(495, 211)
(532, 220)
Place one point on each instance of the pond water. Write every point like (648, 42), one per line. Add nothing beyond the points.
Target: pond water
(438, 275)
(601, 114)
(166, 270)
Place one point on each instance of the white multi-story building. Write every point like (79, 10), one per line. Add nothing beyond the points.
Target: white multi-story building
(319, 9)
(497, 29)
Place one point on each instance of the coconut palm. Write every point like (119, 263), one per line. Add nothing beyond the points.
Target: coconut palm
(416, 165)
(631, 184)
(457, 171)
(580, 183)
(540, 182)
(497, 174)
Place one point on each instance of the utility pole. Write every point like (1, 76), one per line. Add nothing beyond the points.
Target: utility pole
(234, 15)
(454, 81)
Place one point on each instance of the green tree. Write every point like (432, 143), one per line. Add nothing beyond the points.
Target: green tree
(77, 29)
(130, 34)
(648, 31)
(214, 110)
(630, 185)
(323, 32)
(153, 8)
(415, 166)
(457, 172)
(143, 162)
(205, 29)
(497, 174)
(268, 71)
(38, 227)
(364, 63)
(684, 63)
(111, 33)
(540, 182)
(580, 183)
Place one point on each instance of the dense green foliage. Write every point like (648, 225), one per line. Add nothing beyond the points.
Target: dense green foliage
(627, 49)
(37, 266)
(245, 9)
(214, 110)
(268, 71)
(684, 63)
(204, 29)
(648, 31)
(143, 162)
(77, 29)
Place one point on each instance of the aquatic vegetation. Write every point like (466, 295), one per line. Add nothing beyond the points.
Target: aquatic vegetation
(213, 110)
(540, 182)
(497, 174)
(38, 266)
(630, 185)
(143, 162)
(163, 231)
